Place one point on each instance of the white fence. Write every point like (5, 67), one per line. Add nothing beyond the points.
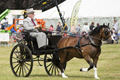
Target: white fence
(4, 39)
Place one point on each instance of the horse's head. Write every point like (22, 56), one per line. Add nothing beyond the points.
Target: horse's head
(105, 32)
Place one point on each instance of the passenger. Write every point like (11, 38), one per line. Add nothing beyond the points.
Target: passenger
(30, 25)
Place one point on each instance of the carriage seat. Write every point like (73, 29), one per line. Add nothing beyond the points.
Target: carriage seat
(28, 37)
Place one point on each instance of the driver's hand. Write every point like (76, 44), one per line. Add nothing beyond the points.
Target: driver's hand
(38, 26)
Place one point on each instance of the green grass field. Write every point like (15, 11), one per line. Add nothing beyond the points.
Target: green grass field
(108, 67)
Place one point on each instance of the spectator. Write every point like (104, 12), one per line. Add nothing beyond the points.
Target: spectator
(59, 28)
(51, 28)
(73, 30)
(78, 29)
(115, 26)
(114, 35)
(92, 26)
(98, 24)
(85, 29)
(4, 24)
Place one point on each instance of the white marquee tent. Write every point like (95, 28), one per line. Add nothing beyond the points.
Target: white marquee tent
(102, 11)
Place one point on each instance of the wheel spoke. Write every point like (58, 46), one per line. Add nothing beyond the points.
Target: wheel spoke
(49, 64)
(15, 58)
(20, 71)
(50, 68)
(28, 64)
(55, 70)
(51, 56)
(24, 56)
(14, 62)
(48, 58)
(25, 70)
(17, 69)
(16, 54)
(27, 67)
(16, 66)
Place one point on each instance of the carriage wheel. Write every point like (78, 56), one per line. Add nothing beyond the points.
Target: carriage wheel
(21, 60)
(51, 64)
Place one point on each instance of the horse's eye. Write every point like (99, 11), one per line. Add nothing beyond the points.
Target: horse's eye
(106, 32)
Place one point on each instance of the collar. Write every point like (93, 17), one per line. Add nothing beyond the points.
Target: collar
(93, 42)
(30, 18)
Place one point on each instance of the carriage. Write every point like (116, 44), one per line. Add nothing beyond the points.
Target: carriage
(21, 59)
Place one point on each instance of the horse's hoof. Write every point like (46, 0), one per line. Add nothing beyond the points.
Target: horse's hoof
(97, 78)
(64, 76)
(84, 69)
(81, 69)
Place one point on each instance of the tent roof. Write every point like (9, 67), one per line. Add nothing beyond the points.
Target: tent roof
(88, 8)
(65, 8)
(100, 8)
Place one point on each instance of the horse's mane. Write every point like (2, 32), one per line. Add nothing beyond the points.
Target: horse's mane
(97, 29)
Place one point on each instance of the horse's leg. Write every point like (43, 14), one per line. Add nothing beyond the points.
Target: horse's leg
(62, 64)
(88, 59)
(95, 67)
(62, 70)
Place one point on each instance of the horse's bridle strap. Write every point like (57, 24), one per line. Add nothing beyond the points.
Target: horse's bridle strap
(93, 43)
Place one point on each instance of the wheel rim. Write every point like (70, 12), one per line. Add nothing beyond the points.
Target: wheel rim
(51, 65)
(21, 64)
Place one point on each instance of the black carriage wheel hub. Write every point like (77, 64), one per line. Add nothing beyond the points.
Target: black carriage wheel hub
(20, 61)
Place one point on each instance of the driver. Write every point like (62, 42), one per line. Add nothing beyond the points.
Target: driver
(30, 25)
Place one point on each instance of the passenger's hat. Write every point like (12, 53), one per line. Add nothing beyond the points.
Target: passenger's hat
(30, 11)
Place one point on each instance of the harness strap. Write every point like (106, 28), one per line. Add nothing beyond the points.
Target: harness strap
(79, 51)
(78, 45)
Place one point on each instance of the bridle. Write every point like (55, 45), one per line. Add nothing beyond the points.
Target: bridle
(91, 41)
(100, 39)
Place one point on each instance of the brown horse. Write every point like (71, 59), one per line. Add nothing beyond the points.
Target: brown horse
(88, 47)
